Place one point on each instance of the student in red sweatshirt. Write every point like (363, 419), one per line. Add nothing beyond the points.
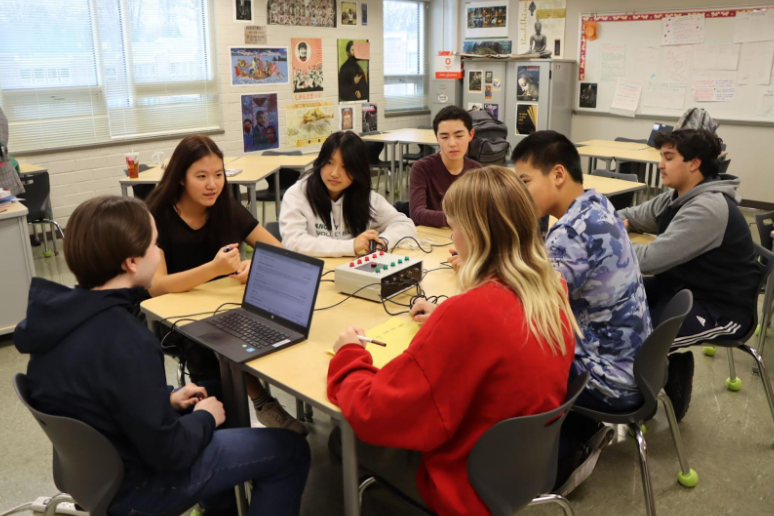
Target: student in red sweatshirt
(501, 348)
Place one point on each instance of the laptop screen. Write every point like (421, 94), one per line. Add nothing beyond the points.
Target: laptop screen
(283, 284)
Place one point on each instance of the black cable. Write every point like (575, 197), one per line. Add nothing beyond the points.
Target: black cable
(328, 272)
(346, 298)
(172, 330)
(420, 245)
(187, 317)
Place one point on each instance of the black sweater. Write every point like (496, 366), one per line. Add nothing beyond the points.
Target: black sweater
(92, 360)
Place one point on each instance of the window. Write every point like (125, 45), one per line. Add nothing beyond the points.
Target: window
(82, 72)
(405, 74)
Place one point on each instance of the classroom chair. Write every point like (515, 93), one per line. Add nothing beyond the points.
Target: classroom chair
(514, 463)
(273, 228)
(723, 166)
(87, 468)
(287, 178)
(650, 373)
(37, 199)
(765, 224)
(733, 382)
(623, 200)
(374, 150)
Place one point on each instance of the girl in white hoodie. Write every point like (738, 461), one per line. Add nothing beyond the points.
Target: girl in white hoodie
(333, 211)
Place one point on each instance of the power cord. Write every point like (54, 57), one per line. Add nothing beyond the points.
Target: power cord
(188, 317)
(420, 245)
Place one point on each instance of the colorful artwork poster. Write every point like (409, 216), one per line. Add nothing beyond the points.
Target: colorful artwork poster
(260, 122)
(526, 118)
(257, 65)
(541, 27)
(528, 83)
(370, 118)
(307, 68)
(492, 109)
(309, 123)
(347, 119)
(349, 13)
(305, 13)
(475, 78)
(354, 55)
(475, 106)
(486, 19)
(364, 15)
(485, 48)
(243, 10)
(488, 92)
(588, 95)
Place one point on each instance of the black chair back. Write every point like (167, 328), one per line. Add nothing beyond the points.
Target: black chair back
(288, 177)
(37, 195)
(374, 150)
(619, 201)
(765, 223)
(274, 229)
(86, 465)
(516, 460)
(723, 166)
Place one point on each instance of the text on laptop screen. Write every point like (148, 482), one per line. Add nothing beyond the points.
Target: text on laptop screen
(282, 286)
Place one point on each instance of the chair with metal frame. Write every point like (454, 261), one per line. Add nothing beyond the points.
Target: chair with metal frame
(37, 199)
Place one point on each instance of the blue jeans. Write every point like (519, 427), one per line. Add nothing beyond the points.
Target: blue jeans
(275, 460)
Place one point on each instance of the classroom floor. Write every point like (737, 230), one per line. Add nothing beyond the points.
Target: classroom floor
(727, 437)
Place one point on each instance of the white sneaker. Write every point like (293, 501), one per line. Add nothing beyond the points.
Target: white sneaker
(274, 415)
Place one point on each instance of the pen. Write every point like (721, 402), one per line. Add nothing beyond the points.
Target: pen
(372, 341)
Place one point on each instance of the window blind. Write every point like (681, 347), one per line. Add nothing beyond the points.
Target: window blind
(405, 69)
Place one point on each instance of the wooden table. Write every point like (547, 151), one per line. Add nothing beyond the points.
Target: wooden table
(614, 144)
(397, 139)
(609, 186)
(17, 267)
(27, 168)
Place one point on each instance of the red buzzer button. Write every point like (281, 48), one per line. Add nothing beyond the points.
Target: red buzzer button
(359, 262)
(381, 253)
(351, 264)
(367, 259)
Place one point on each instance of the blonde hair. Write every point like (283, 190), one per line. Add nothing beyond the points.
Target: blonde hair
(498, 219)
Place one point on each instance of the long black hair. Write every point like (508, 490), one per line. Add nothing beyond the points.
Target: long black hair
(357, 209)
(169, 190)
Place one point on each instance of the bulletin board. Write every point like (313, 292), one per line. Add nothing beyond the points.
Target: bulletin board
(719, 59)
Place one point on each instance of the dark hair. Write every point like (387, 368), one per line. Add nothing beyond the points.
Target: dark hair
(357, 208)
(546, 149)
(349, 45)
(694, 143)
(302, 45)
(452, 113)
(103, 232)
(169, 190)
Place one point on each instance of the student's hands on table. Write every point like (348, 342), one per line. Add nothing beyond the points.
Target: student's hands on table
(455, 261)
(186, 397)
(349, 336)
(421, 310)
(242, 271)
(363, 241)
(214, 407)
(227, 261)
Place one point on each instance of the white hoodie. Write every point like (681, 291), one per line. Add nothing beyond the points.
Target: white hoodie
(304, 232)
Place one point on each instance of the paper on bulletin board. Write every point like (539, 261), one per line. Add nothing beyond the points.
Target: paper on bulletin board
(714, 87)
(682, 30)
(757, 25)
(613, 61)
(255, 35)
(766, 103)
(397, 332)
(716, 56)
(755, 62)
(676, 64)
(627, 97)
(668, 95)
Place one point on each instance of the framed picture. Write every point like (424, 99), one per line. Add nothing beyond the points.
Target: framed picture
(258, 65)
(305, 13)
(354, 57)
(484, 48)
(309, 123)
(260, 122)
(475, 80)
(349, 13)
(307, 68)
(347, 119)
(243, 11)
(370, 118)
(528, 83)
(364, 14)
(486, 19)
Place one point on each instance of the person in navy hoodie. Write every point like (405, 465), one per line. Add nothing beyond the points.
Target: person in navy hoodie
(92, 360)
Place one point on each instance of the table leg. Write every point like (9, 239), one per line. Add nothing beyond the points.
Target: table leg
(251, 193)
(392, 175)
(277, 196)
(125, 190)
(399, 177)
(350, 470)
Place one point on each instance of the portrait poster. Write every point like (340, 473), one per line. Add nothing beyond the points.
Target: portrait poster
(354, 56)
(541, 27)
(370, 118)
(243, 11)
(304, 13)
(475, 78)
(528, 83)
(258, 65)
(486, 19)
(588, 95)
(475, 106)
(364, 14)
(485, 48)
(488, 77)
(308, 123)
(347, 118)
(260, 122)
(307, 68)
(492, 109)
(349, 13)
(526, 118)
(488, 92)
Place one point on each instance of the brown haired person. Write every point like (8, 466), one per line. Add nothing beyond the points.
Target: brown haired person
(200, 228)
(92, 360)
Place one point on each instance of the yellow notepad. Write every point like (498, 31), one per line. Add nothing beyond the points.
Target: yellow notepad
(397, 332)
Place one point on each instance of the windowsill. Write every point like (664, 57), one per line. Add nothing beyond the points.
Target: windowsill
(406, 112)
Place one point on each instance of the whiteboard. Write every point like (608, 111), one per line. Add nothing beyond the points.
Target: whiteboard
(639, 36)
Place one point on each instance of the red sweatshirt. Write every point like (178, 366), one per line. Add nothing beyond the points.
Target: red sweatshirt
(473, 364)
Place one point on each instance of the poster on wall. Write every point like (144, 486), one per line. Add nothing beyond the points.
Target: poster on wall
(354, 55)
(255, 65)
(485, 48)
(309, 123)
(588, 95)
(488, 77)
(526, 118)
(528, 83)
(488, 92)
(486, 19)
(349, 13)
(474, 81)
(260, 120)
(475, 106)
(243, 10)
(305, 13)
(492, 109)
(307, 68)
(347, 119)
(541, 27)
(364, 15)
(370, 118)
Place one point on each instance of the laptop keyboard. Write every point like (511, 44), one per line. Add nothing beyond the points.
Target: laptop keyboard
(252, 332)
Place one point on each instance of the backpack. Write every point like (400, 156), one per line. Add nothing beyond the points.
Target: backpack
(489, 145)
(697, 118)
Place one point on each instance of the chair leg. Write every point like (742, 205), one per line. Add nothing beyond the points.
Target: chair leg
(561, 501)
(263, 212)
(687, 477)
(55, 501)
(764, 374)
(766, 319)
(647, 488)
(733, 382)
(363, 486)
(299, 410)
(308, 412)
(53, 238)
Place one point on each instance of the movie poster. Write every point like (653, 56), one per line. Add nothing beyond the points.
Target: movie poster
(307, 68)
(493, 109)
(485, 48)
(306, 13)
(349, 13)
(541, 27)
(347, 119)
(370, 118)
(260, 120)
(528, 83)
(354, 55)
(257, 65)
(588, 95)
(475, 78)
(475, 106)
(526, 118)
(486, 19)
(309, 123)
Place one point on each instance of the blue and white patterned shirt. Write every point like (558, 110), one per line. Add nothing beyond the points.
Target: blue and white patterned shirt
(590, 247)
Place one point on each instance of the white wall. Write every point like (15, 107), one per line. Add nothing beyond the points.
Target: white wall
(79, 175)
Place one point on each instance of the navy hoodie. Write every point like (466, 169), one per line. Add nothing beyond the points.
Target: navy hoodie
(92, 360)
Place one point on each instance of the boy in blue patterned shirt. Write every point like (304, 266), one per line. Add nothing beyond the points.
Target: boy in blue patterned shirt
(590, 247)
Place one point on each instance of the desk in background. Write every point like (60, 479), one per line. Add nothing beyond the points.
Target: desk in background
(27, 168)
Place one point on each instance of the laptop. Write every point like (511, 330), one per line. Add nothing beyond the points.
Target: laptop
(659, 128)
(276, 309)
